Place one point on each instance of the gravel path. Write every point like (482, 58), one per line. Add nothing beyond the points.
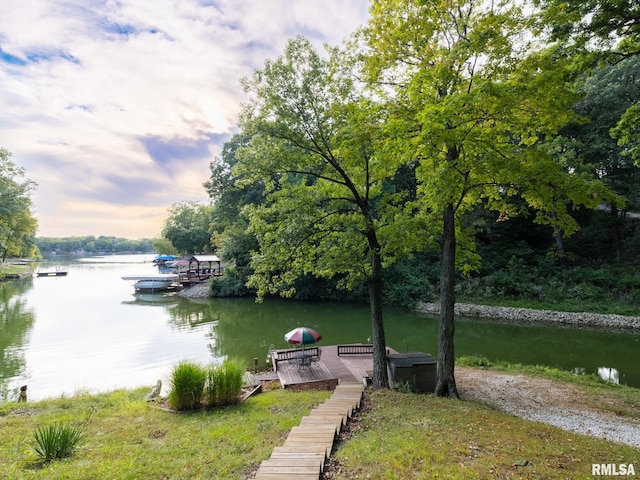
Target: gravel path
(546, 401)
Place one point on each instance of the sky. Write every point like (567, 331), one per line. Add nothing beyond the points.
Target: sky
(116, 108)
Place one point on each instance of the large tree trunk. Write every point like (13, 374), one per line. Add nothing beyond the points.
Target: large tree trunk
(618, 225)
(380, 376)
(446, 383)
(557, 234)
(562, 255)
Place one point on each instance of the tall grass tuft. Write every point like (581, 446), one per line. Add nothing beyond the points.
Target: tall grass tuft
(60, 440)
(187, 385)
(224, 382)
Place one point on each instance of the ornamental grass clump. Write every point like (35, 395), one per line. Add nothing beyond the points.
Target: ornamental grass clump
(60, 440)
(187, 385)
(224, 382)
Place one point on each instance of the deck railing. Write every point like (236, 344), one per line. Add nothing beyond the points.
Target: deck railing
(355, 350)
(294, 355)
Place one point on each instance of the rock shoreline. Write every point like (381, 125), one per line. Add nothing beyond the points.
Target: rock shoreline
(198, 291)
(508, 314)
(529, 315)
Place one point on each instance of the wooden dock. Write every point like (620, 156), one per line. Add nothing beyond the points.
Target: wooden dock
(331, 368)
(303, 455)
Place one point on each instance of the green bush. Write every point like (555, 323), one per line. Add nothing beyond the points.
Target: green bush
(187, 385)
(404, 387)
(224, 382)
(474, 361)
(57, 440)
(232, 284)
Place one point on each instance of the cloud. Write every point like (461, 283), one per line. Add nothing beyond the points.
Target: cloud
(116, 108)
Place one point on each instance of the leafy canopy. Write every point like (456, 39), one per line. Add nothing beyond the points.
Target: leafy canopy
(187, 227)
(17, 223)
(331, 199)
(475, 99)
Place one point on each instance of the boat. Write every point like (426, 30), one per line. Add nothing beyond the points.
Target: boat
(158, 282)
(165, 263)
(164, 258)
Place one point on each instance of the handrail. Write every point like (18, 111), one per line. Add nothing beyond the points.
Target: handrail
(357, 349)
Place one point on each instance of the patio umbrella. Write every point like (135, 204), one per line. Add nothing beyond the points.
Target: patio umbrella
(302, 336)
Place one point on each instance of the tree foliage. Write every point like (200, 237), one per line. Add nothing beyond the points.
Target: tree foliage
(188, 227)
(17, 223)
(606, 94)
(474, 101)
(92, 244)
(598, 34)
(331, 208)
(601, 26)
(229, 194)
(434, 112)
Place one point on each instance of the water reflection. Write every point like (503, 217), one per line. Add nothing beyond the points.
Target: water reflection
(16, 321)
(151, 299)
(90, 330)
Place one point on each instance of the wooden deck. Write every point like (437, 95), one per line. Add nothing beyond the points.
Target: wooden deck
(330, 369)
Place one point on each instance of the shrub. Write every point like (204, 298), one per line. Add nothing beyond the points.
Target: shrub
(187, 385)
(474, 361)
(403, 387)
(232, 284)
(224, 382)
(58, 440)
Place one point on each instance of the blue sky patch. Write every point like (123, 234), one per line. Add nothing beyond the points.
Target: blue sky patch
(37, 56)
(119, 28)
(170, 153)
(11, 59)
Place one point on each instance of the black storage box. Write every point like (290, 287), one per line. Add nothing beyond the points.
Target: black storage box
(418, 369)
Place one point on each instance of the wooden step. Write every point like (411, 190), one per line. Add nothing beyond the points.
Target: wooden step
(290, 466)
(335, 420)
(284, 475)
(301, 450)
(308, 445)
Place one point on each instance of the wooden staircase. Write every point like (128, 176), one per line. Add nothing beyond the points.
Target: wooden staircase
(303, 455)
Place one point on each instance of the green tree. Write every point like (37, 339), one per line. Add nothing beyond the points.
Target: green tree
(472, 102)
(587, 146)
(163, 246)
(17, 223)
(330, 209)
(187, 227)
(627, 132)
(600, 26)
(597, 31)
(229, 194)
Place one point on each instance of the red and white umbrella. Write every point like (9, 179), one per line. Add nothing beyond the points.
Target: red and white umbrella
(302, 336)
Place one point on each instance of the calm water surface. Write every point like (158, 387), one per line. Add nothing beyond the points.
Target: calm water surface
(90, 331)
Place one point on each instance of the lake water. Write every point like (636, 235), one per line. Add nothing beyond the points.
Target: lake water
(90, 331)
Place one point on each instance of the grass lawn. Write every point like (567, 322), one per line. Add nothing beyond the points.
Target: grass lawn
(396, 436)
(129, 438)
(406, 436)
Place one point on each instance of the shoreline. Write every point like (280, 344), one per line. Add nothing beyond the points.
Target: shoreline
(530, 315)
(199, 291)
(515, 315)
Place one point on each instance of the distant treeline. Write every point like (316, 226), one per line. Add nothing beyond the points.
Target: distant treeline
(91, 244)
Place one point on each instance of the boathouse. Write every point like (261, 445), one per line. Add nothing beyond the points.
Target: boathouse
(198, 268)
